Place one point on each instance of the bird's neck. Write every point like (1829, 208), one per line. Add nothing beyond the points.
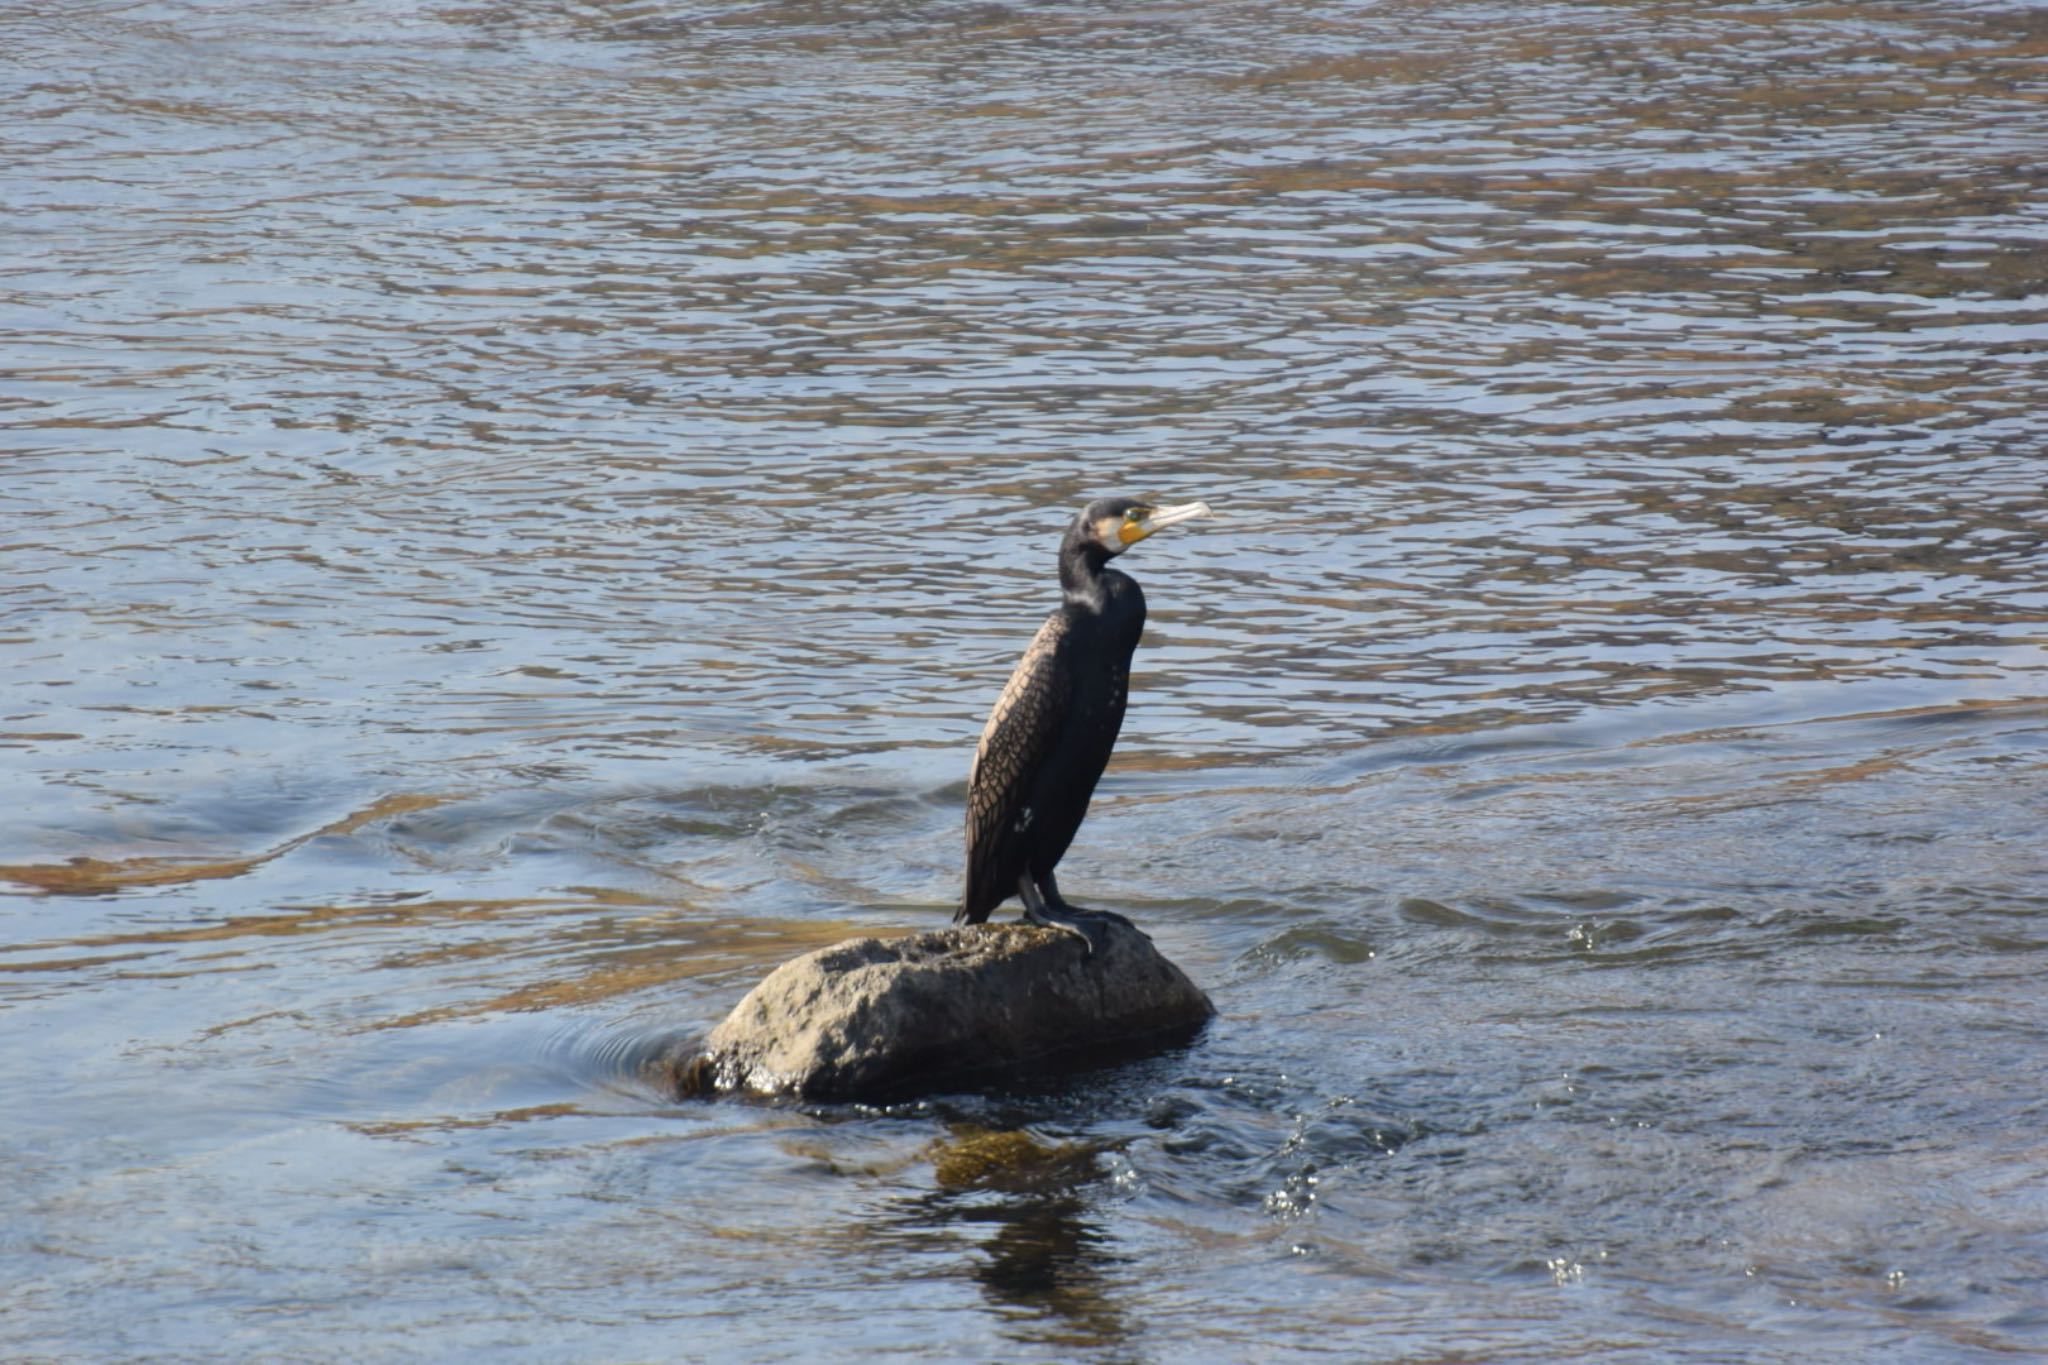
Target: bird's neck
(1082, 573)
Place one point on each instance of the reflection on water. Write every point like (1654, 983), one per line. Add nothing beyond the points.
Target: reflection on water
(1045, 1252)
(513, 517)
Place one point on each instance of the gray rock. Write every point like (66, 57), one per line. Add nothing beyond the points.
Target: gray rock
(877, 1019)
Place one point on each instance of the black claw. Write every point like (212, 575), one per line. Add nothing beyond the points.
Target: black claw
(1069, 920)
(1114, 918)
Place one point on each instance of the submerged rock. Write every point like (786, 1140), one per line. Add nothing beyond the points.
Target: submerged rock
(874, 1019)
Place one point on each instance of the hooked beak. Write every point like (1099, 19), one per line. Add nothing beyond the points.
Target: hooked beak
(1159, 518)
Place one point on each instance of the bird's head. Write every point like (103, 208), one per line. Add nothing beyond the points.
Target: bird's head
(1116, 524)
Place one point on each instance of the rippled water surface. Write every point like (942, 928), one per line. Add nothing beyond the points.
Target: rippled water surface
(513, 514)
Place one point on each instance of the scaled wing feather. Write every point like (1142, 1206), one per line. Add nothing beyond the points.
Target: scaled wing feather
(1022, 729)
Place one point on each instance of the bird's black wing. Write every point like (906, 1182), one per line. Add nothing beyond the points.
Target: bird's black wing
(1022, 731)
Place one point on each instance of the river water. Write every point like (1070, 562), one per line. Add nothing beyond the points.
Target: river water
(513, 515)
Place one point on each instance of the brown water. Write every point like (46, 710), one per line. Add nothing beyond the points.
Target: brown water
(512, 516)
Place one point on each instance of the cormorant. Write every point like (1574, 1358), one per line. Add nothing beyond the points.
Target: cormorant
(1050, 734)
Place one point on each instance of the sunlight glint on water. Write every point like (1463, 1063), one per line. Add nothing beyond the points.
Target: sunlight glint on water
(514, 516)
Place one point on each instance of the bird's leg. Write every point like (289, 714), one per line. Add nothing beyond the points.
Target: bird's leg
(1037, 910)
(1054, 899)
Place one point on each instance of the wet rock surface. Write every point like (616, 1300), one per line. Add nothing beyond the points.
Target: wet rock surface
(885, 1018)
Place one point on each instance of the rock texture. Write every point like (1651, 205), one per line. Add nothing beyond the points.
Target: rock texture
(879, 1019)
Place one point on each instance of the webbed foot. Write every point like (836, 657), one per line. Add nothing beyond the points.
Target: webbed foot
(1112, 916)
(1084, 925)
(1048, 908)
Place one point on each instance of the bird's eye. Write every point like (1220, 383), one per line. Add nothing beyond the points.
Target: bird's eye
(1136, 514)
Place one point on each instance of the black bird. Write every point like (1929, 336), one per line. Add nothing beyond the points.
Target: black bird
(1050, 734)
